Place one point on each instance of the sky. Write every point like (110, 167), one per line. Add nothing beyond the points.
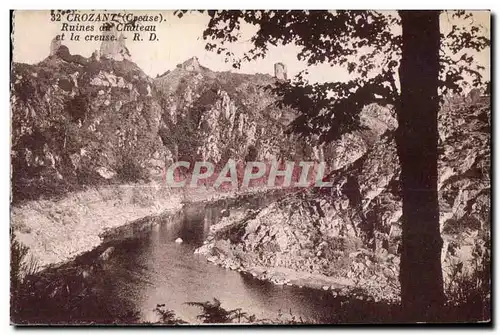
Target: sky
(181, 39)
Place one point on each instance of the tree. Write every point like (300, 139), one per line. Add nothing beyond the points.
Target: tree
(167, 316)
(405, 70)
(422, 294)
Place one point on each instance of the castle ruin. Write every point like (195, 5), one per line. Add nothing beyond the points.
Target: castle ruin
(192, 64)
(280, 71)
(55, 45)
(115, 49)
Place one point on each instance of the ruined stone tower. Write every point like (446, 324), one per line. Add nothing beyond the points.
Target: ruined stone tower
(96, 55)
(280, 71)
(116, 49)
(191, 64)
(55, 45)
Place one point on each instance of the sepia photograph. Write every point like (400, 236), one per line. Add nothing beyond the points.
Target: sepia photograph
(250, 167)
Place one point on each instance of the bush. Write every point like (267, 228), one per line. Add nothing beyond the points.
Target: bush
(21, 267)
(130, 171)
(469, 288)
(214, 313)
(167, 316)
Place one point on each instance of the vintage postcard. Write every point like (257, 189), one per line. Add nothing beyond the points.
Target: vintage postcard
(258, 167)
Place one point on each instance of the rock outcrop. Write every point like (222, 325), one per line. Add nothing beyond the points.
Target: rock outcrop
(217, 116)
(55, 44)
(115, 48)
(78, 121)
(191, 64)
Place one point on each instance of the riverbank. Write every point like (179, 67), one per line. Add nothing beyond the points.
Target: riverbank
(56, 231)
(298, 241)
(361, 288)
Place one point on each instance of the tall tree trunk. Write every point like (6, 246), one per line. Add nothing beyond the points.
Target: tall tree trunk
(420, 275)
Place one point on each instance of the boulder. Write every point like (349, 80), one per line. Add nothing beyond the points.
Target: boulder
(106, 254)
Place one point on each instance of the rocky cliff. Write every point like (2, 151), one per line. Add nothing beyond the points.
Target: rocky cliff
(78, 121)
(352, 232)
(85, 121)
(225, 115)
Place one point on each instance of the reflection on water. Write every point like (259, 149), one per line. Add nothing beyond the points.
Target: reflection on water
(156, 270)
(147, 268)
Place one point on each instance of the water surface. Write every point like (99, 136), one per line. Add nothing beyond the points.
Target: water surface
(153, 269)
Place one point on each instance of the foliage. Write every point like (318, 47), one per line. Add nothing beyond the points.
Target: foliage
(469, 286)
(369, 44)
(61, 295)
(167, 316)
(21, 265)
(214, 313)
(337, 37)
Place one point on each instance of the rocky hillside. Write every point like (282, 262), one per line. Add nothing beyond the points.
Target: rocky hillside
(216, 116)
(78, 121)
(352, 233)
(84, 121)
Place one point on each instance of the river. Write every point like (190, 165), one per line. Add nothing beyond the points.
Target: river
(147, 268)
